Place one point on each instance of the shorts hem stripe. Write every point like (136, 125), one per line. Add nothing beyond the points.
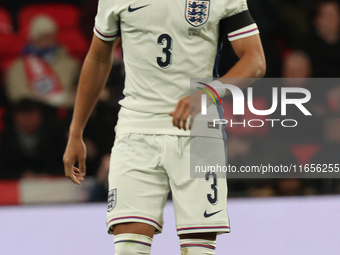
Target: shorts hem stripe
(135, 217)
(194, 228)
(198, 245)
(131, 241)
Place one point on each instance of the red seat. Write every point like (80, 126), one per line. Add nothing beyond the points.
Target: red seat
(6, 26)
(75, 42)
(10, 48)
(304, 153)
(10, 45)
(65, 15)
(9, 192)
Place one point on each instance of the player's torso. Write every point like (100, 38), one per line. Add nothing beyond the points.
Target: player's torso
(165, 44)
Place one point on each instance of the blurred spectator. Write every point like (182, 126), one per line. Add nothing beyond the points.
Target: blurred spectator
(45, 72)
(297, 70)
(31, 146)
(16, 6)
(294, 21)
(333, 99)
(330, 154)
(323, 45)
(262, 190)
(296, 65)
(289, 187)
(256, 152)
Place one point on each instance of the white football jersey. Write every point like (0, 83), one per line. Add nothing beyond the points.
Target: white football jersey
(165, 43)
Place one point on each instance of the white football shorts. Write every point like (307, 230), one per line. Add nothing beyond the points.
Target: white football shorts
(145, 168)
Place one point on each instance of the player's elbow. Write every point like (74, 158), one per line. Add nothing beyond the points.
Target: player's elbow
(260, 66)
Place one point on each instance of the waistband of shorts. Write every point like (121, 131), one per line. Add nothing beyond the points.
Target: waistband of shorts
(130, 121)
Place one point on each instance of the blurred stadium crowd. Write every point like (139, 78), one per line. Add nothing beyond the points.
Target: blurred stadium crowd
(42, 46)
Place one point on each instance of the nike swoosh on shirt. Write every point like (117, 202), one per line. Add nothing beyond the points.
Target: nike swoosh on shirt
(135, 9)
(207, 215)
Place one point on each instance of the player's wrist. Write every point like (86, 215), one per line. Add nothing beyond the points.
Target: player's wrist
(75, 134)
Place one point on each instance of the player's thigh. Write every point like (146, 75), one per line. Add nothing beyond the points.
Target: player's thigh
(138, 186)
(135, 228)
(200, 203)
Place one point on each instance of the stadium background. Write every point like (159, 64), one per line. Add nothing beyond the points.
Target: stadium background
(301, 39)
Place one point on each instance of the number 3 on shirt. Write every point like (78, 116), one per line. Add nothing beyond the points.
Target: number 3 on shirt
(166, 41)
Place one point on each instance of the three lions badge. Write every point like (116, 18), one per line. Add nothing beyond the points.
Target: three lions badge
(111, 200)
(197, 12)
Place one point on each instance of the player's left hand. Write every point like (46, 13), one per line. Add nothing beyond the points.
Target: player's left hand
(187, 106)
(75, 151)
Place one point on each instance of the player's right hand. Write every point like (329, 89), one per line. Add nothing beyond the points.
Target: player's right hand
(75, 151)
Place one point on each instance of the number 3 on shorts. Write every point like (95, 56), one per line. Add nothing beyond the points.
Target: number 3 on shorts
(212, 198)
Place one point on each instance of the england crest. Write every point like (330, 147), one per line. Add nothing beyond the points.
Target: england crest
(197, 12)
(111, 200)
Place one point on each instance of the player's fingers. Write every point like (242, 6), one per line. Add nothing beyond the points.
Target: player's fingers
(181, 109)
(70, 174)
(82, 166)
(178, 108)
(179, 113)
(79, 178)
(184, 118)
(74, 179)
(184, 125)
(175, 113)
(185, 114)
(77, 174)
(68, 166)
(175, 121)
(179, 104)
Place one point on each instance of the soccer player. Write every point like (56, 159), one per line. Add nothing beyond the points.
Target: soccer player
(165, 43)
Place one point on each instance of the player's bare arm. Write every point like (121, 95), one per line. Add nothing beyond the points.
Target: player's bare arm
(93, 77)
(251, 64)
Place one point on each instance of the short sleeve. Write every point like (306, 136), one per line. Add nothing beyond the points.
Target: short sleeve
(106, 22)
(237, 22)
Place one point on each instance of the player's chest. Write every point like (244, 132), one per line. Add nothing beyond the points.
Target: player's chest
(186, 17)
